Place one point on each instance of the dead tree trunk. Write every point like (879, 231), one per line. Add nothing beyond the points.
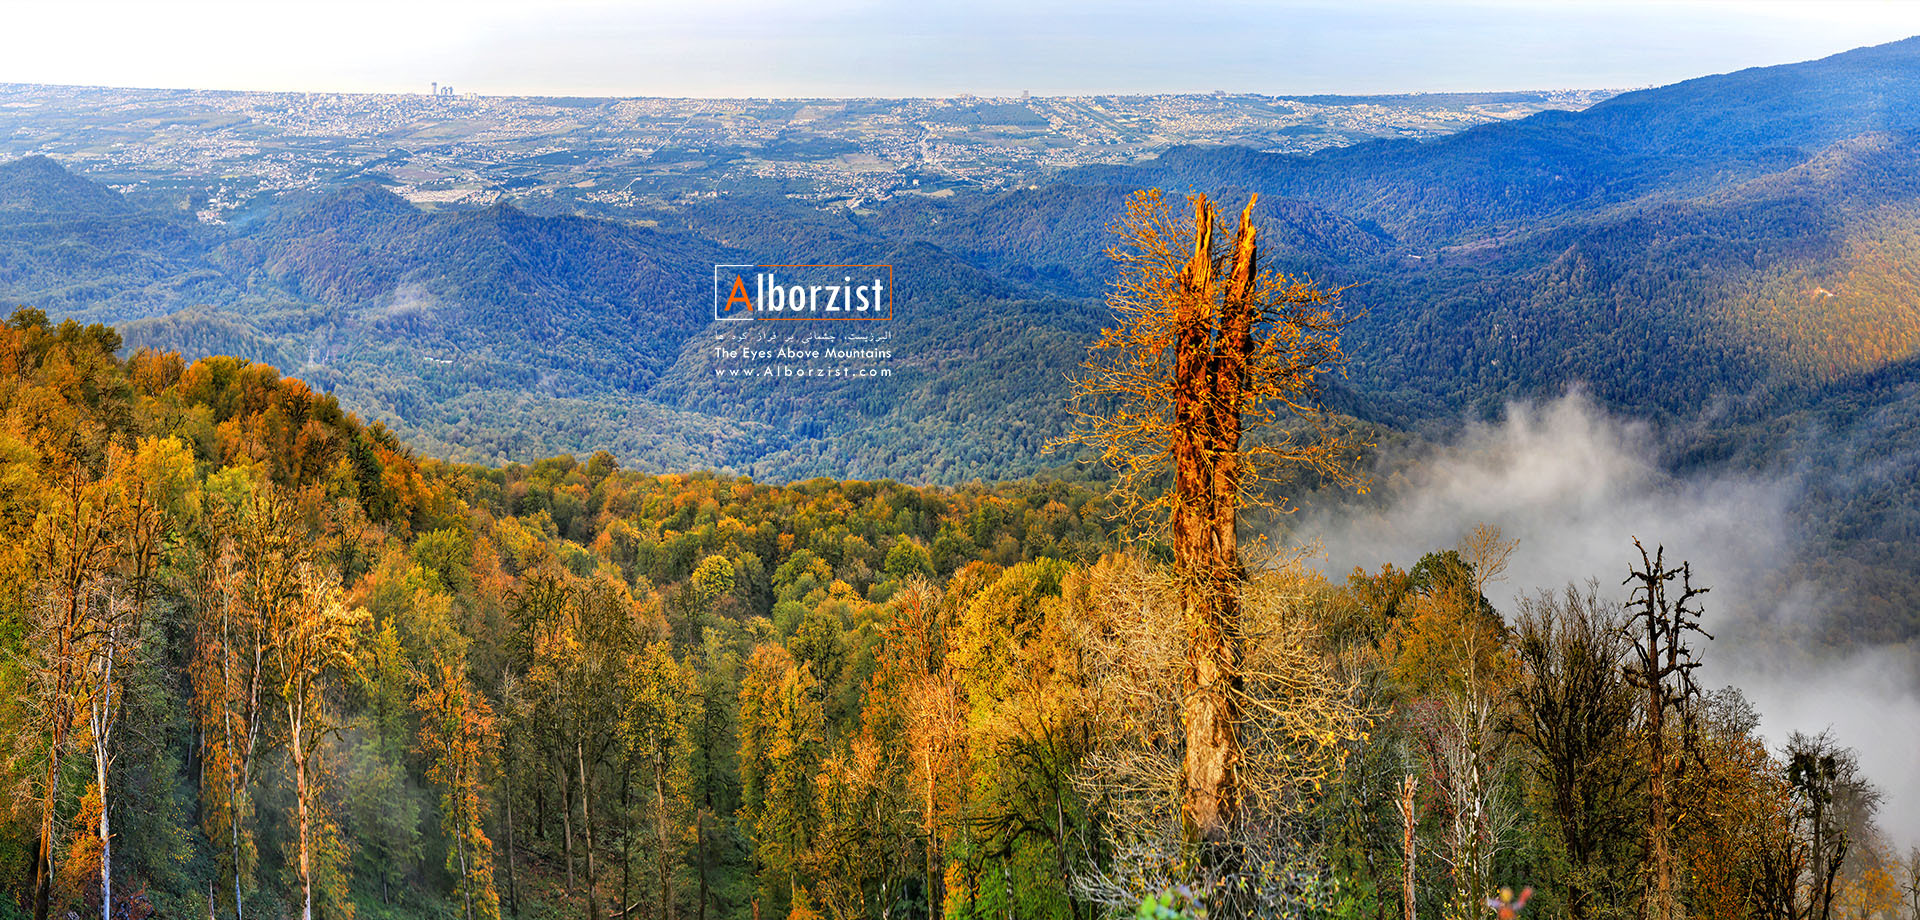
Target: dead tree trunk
(1662, 667)
(1213, 332)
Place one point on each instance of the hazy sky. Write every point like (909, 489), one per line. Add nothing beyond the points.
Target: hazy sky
(923, 47)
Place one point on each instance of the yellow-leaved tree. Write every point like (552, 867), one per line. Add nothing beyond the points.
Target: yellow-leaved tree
(314, 639)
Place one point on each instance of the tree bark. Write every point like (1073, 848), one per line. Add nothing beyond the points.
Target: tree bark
(106, 835)
(932, 848)
(700, 855)
(43, 867)
(566, 816)
(660, 825)
(513, 885)
(467, 820)
(1408, 854)
(626, 834)
(1213, 331)
(294, 720)
(586, 827)
(1657, 806)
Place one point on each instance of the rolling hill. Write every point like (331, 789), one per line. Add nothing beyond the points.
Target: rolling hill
(1742, 245)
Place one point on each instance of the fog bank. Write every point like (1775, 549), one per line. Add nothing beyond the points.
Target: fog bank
(1575, 485)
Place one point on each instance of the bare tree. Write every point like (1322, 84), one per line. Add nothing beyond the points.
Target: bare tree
(1301, 720)
(1208, 349)
(1468, 754)
(1662, 667)
(1486, 551)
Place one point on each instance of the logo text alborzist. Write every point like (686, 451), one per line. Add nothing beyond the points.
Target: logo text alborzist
(762, 293)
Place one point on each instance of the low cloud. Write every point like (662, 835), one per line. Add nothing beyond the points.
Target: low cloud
(1575, 485)
(407, 301)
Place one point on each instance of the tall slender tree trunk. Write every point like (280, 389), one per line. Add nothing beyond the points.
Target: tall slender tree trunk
(586, 827)
(933, 909)
(1209, 380)
(1409, 856)
(1060, 855)
(1661, 904)
(566, 818)
(469, 818)
(242, 798)
(466, 878)
(234, 820)
(43, 866)
(660, 834)
(626, 835)
(237, 789)
(700, 856)
(295, 721)
(513, 883)
(106, 834)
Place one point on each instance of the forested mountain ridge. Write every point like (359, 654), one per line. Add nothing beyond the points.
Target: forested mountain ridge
(355, 681)
(38, 186)
(497, 333)
(77, 248)
(1675, 141)
(595, 305)
(1749, 227)
(1731, 257)
(1501, 260)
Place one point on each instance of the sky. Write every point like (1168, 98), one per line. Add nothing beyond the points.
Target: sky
(922, 47)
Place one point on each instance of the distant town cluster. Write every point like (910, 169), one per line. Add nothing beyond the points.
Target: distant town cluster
(439, 148)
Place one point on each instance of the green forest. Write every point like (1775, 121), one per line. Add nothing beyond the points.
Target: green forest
(264, 660)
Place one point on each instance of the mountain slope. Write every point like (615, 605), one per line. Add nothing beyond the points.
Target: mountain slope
(76, 248)
(1743, 238)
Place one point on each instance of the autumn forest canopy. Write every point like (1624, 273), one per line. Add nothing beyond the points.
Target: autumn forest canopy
(263, 659)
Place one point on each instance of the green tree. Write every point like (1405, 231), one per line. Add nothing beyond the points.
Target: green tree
(654, 733)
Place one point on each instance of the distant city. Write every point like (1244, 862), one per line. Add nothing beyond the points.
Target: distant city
(218, 151)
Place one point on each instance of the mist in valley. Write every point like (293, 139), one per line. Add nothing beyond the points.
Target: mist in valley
(1574, 485)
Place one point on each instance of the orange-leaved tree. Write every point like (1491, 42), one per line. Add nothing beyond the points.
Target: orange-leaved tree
(1202, 397)
(458, 735)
